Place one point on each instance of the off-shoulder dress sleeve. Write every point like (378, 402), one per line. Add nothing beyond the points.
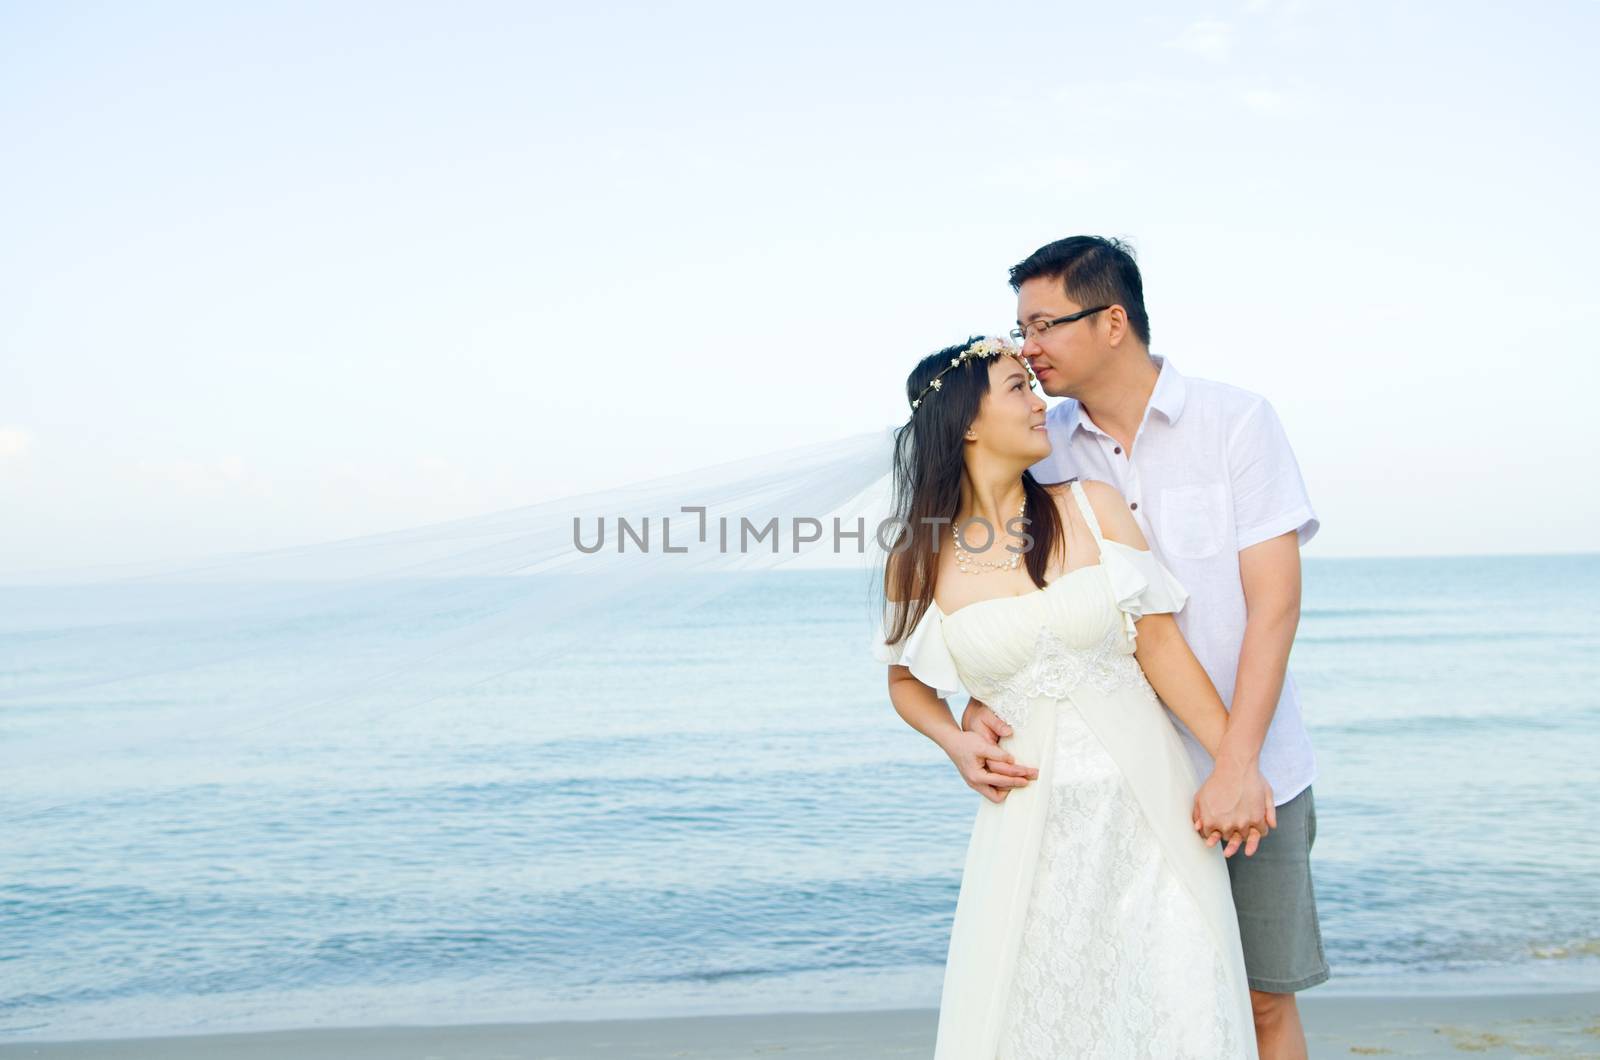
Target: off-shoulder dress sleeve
(924, 653)
(1142, 584)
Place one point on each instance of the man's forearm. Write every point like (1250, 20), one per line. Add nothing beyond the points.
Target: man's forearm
(1263, 660)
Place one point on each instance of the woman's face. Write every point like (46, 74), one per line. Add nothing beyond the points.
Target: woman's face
(1010, 420)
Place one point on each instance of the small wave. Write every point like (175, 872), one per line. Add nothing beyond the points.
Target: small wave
(1584, 948)
(1466, 636)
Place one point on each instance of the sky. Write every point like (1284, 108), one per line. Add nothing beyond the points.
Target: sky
(277, 274)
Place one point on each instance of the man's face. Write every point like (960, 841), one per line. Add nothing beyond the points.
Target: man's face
(1065, 355)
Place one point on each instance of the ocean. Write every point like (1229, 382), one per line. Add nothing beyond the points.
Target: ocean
(717, 814)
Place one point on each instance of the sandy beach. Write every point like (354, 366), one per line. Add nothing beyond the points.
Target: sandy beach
(1539, 1025)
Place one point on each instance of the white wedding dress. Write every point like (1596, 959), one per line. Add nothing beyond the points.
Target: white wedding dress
(1093, 922)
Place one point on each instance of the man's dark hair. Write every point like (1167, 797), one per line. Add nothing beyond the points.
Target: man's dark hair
(1094, 271)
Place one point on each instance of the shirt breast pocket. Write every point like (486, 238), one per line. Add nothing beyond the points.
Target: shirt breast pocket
(1194, 520)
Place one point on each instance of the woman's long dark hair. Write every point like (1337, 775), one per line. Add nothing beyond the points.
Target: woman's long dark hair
(928, 465)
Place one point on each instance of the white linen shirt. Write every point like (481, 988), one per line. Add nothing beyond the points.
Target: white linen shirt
(1211, 474)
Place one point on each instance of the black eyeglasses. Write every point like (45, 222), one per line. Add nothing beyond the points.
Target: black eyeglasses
(1035, 328)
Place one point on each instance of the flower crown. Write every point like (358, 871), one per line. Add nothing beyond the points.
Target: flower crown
(984, 348)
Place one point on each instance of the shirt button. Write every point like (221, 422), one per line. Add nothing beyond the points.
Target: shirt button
(1118, 449)
(1134, 506)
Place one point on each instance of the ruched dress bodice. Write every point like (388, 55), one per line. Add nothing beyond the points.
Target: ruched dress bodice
(1013, 651)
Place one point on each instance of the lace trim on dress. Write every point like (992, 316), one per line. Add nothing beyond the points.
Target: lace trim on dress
(1151, 984)
(1056, 669)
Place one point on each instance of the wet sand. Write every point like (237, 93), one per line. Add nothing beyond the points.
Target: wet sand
(1535, 1025)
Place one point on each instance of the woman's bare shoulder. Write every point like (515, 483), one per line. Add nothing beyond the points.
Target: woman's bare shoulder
(1060, 492)
(1112, 512)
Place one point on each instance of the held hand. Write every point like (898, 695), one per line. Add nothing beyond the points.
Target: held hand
(987, 769)
(1234, 842)
(1235, 804)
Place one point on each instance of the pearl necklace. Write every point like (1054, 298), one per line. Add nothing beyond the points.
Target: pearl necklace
(965, 560)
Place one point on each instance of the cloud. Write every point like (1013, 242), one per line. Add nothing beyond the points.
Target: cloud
(1209, 39)
(196, 475)
(15, 443)
(1061, 174)
(1266, 101)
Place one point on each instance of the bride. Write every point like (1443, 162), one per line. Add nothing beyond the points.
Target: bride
(1093, 921)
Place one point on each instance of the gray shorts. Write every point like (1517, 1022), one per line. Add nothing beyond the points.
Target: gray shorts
(1276, 904)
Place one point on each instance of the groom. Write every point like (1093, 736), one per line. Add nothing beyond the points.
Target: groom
(1209, 476)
